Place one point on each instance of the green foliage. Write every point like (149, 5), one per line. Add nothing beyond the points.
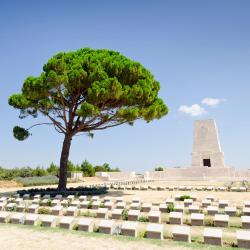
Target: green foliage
(87, 169)
(72, 167)
(44, 210)
(11, 209)
(90, 204)
(142, 234)
(38, 171)
(143, 219)
(170, 208)
(88, 214)
(183, 197)
(105, 88)
(20, 133)
(125, 214)
(102, 205)
(159, 169)
(53, 169)
(208, 221)
(37, 180)
(49, 203)
(70, 191)
(9, 174)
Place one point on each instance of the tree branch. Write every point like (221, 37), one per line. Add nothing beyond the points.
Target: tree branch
(38, 124)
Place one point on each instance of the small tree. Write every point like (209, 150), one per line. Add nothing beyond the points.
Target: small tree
(87, 169)
(53, 169)
(88, 90)
(159, 169)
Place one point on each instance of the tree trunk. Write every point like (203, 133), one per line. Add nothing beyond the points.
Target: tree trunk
(64, 163)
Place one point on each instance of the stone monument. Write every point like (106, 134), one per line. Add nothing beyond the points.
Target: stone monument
(207, 161)
(206, 145)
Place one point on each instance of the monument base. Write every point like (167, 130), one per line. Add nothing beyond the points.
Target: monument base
(199, 174)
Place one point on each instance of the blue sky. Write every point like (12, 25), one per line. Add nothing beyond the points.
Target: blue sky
(195, 49)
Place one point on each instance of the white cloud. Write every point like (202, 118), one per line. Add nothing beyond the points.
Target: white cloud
(212, 101)
(193, 110)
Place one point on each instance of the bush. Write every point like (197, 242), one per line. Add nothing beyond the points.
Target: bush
(159, 169)
(102, 205)
(183, 197)
(142, 234)
(37, 181)
(53, 169)
(87, 169)
(70, 191)
(170, 208)
(125, 214)
(208, 222)
(43, 210)
(88, 214)
(143, 219)
(90, 204)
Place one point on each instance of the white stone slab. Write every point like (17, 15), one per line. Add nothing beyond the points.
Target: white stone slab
(129, 228)
(212, 233)
(82, 198)
(136, 200)
(49, 221)
(31, 219)
(119, 199)
(181, 233)
(154, 231)
(72, 211)
(135, 206)
(17, 218)
(175, 215)
(102, 212)
(67, 222)
(95, 198)
(197, 216)
(4, 216)
(106, 226)
(86, 224)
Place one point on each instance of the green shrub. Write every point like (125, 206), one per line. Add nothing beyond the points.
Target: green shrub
(90, 204)
(125, 214)
(88, 214)
(95, 228)
(69, 191)
(208, 222)
(159, 169)
(102, 205)
(49, 202)
(143, 219)
(170, 208)
(183, 197)
(44, 210)
(37, 181)
(142, 234)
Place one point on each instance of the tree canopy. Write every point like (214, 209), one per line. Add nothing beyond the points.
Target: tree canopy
(88, 90)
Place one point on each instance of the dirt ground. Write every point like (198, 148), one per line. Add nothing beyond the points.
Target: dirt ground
(9, 184)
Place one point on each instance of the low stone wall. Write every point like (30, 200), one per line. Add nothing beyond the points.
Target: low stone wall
(196, 174)
(110, 176)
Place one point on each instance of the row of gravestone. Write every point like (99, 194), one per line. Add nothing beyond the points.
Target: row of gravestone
(95, 202)
(211, 236)
(175, 188)
(154, 216)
